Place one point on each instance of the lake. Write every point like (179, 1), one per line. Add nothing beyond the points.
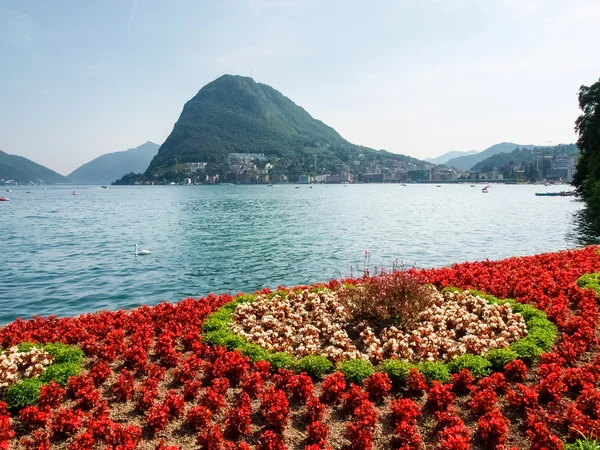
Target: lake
(66, 255)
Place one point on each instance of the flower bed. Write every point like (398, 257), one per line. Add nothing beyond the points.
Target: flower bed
(304, 330)
(316, 322)
(151, 380)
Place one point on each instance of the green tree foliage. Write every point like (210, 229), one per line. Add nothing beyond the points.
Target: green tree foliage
(587, 175)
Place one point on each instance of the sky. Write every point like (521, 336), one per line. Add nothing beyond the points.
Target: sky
(419, 77)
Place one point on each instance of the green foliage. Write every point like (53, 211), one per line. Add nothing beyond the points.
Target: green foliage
(477, 365)
(64, 353)
(542, 333)
(280, 360)
(583, 444)
(396, 369)
(314, 365)
(356, 370)
(587, 175)
(500, 357)
(435, 371)
(526, 349)
(590, 281)
(61, 372)
(25, 346)
(24, 393)
(252, 351)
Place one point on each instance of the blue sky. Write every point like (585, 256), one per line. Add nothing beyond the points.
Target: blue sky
(419, 77)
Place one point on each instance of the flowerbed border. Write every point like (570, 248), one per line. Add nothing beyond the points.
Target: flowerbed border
(541, 337)
(67, 362)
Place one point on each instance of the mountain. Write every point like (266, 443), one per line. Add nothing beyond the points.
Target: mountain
(109, 167)
(524, 156)
(443, 159)
(22, 170)
(236, 115)
(467, 162)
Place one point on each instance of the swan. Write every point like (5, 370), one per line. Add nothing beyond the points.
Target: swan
(141, 252)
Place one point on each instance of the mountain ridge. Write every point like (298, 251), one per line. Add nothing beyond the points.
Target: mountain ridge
(467, 162)
(111, 166)
(23, 170)
(442, 159)
(236, 115)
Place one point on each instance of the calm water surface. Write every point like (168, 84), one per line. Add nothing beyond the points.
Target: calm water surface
(63, 254)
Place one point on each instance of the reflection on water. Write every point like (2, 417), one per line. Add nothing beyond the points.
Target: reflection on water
(586, 228)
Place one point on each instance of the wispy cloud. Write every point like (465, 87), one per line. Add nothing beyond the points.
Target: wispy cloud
(132, 15)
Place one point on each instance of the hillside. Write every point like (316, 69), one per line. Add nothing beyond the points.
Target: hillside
(467, 162)
(443, 159)
(109, 167)
(524, 156)
(234, 114)
(23, 170)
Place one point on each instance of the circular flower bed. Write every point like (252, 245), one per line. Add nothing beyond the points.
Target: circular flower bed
(321, 323)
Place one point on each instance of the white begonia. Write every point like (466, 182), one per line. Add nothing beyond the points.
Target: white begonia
(304, 323)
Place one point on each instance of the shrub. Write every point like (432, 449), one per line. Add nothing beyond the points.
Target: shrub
(356, 370)
(61, 372)
(315, 366)
(526, 349)
(388, 299)
(396, 369)
(542, 333)
(500, 357)
(477, 365)
(63, 353)
(434, 371)
(279, 360)
(24, 347)
(24, 393)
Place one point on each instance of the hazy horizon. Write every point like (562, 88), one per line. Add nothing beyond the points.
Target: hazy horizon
(420, 78)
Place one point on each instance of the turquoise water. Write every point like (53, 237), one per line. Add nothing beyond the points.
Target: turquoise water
(63, 254)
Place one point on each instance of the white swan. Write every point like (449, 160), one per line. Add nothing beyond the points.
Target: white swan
(141, 252)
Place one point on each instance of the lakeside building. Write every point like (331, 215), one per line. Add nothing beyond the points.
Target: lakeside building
(194, 167)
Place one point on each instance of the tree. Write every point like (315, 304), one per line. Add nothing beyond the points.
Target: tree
(587, 126)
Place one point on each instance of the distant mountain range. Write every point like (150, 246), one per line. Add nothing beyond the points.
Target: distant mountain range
(24, 171)
(501, 161)
(236, 115)
(443, 159)
(467, 162)
(109, 167)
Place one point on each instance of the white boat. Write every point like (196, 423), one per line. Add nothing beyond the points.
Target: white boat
(485, 190)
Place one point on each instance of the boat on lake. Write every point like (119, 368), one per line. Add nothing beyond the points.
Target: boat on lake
(485, 190)
(4, 199)
(556, 194)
